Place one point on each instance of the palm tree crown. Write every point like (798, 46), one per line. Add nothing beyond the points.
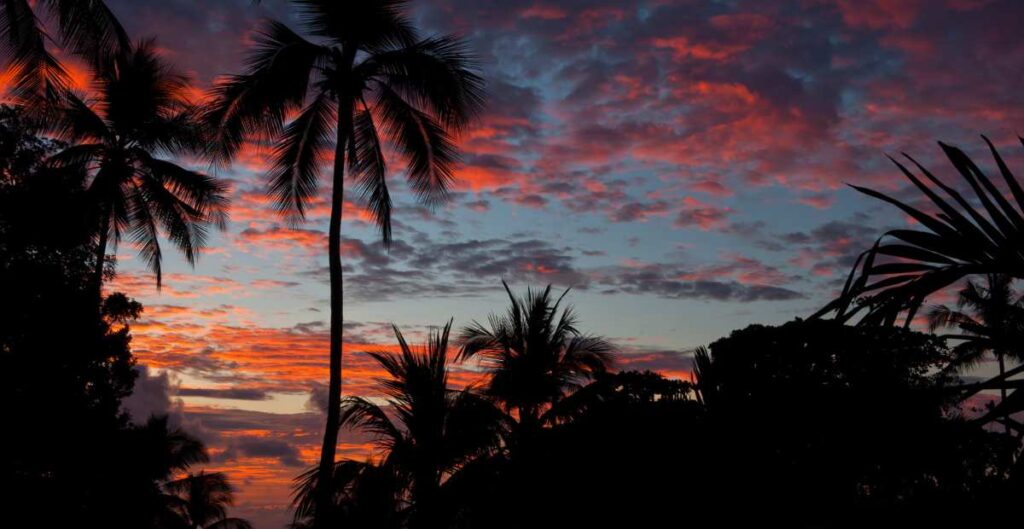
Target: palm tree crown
(140, 113)
(990, 318)
(367, 77)
(200, 501)
(535, 354)
(427, 429)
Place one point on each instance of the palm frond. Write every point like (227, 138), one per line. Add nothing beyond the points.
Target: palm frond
(75, 121)
(40, 77)
(90, 29)
(958, 241)
(146, 234)
(358, 412)
(437, 75)
(373, 26)
(204, 194)
(280, 70)
(295, 177)
(426, 145)
(370, 172)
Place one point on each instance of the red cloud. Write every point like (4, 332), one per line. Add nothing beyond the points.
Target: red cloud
(701, 215)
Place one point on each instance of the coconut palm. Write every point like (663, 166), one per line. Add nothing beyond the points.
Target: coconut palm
(364, 496)
(163, 450)
(990, 319)
(140, 116)
(535, 356)
(435, 430)
(200, 501)
(960, 239)
(364, 77)
(86, 28)
(426, 432)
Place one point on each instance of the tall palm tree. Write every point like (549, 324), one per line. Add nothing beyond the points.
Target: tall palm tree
(200, 501)
(86, 28)
(140, 115)
(991, 320)
(427, 429)
(365, 76)
(535, 355)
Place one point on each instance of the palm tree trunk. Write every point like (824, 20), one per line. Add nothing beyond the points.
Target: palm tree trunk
(330, 442)
(101, 253)
(1002, 390)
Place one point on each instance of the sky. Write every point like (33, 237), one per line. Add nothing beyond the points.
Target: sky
(681, 165)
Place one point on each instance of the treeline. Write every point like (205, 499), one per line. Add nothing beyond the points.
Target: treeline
(70, 456)
(808, 424)
(814, 423)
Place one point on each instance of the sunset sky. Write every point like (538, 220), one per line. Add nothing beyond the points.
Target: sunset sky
(681, 165)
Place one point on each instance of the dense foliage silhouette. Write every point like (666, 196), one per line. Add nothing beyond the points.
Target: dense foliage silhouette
(67, 361)
(808, 424)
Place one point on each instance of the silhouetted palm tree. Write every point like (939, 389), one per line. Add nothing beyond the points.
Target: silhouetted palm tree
(200, 501)
(167, 450)
(427, 431)
(364, 496)
(86, 28)
(535, 356)
(991, 320)
(365, 77)
(141, 113)
(958, 241)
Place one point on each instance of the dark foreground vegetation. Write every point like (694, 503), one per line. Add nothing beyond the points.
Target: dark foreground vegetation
(844, 422)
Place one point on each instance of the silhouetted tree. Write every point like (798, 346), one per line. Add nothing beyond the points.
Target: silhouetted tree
(623, 459)
(141, 113)
(364, 495)
(427, 430)
(818, 424)
(366, 76)
(534, 356)
(990, 320)
(200, 501)
(70, 458)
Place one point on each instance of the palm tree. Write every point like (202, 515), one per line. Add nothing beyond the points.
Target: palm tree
(200, 501)
(365, 496)
(86, 28)
(140, 115)
(366, 76)
(991, 320)
(427, 430)
(162, 450)
(957, 241)
(535, 356)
